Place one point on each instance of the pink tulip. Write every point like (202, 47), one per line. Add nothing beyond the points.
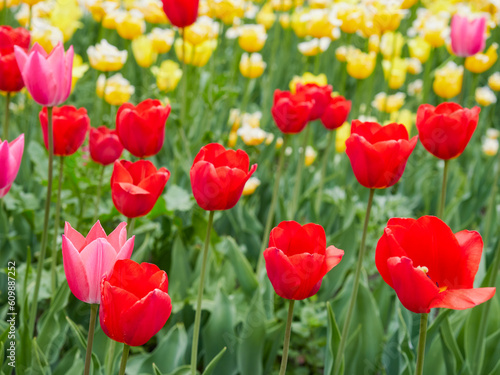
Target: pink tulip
(47, 77)
(88, 259)
(467, 36)
(10, 161)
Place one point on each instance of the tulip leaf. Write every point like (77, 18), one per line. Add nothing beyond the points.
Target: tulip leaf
(332, 342)
(180, 270)
(209, 370)
(178, 199)
(40, 363)
(70, 363)
(80, 338)
(183, 370)
(244, 271)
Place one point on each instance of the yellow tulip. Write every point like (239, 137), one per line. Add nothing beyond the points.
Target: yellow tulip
(281, 5)
(360, 65)
(419, 49)
(31, 2)
(494, 81)
(387, 18)
(252, 37)
(374, 43)
(314, 46)
(251, 185)
(266, 17)
(46, 35)
(395, 72)
(100, 8)
(233, 139)
(167, 75)
(109, 20)
(490, 146)
(448, 80)
(405, 117)
(351, 16)
(66, 18)
(252, 66)
(407, 4)
(227, 10)
(252, 136)
(130, 25)
(106, 57)
(152, 11)
(310, 156)
(285, 21)
(144, 54)
(341, 136)
(79, 69)
(391, 44)
(202, 30)
(195, 55)
(306, 78)
(388, 103)
(162, 39)
(116, 89)
(485, 96)
(299, 23)
(321, 24)
(481, 62)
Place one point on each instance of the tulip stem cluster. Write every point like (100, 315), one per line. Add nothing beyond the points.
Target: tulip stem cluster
(90, 337)
(5, 134)
(45, 233)
(272, 206)
(421, 344)
(56, 227)
(442, 200)
(123, 363)
(197, 319)
(331, 138)
(286, 343)
(298, 176)
(355, 287)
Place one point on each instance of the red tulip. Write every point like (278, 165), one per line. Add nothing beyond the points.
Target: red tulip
(135, 187)
(105, 146)
(181, 13)
(446, 130)
(319, 95)
(297, 259)
(336, 112)
(142, 129)
(135, 303)
(291, 111)
(428, 266)
(11, 79)
(378, 154)
(218, 176)
(70, 128)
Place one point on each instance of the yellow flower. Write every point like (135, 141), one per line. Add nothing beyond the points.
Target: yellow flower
(162, 39)
(314, 46)
(494, 81)
(116, 90)
(395, 72)
(281, 5)
(448, 80)
(45, 34)
(100, 8)
(10, 4)
(360, 65)
(341, 136)
(79, 69)
(387, 17)
(306, 78)
(415, 87)
(110, 19)
(252, 37)
(251, 185)
(130, 25)
(407, 4)
(310, 156)
(492, 133)
(321, 24)
(285, 21)
(202, 30)
(279, 141)
(299, 22)
(106, 57)
(351, 16)
(481, 62)
(391, 44)
(484, 96)
(144, 54)
(66, 18)
(389, 104)
(405, 117)
(152, 11)
(266, 17)
(195, 55)
(252, 136)
(414, 66)
(419, 49)
(252, 66)
(167, 75)
(31, 2)
(374, 43)
(490, 146)
(227, 10)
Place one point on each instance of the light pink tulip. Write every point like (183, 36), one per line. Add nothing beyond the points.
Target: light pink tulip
(467, 36)
(88, 259)
(10, 161)
(47, 77)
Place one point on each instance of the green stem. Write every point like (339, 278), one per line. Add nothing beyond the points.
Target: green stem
(246, 96)
(272, 207)
(130, 226)
(90, 337)
(317, 60)
(427, 78)
(298, 175)
(442, 200)
(56, 228)
(286, 343)
(352, 302)
(184, 96)
(491, 205)
(109, 361)
(319, 195)
(197, 319)
(123, 363)
(43, 248)
(98, 195)
(7, 115)
(421, 344)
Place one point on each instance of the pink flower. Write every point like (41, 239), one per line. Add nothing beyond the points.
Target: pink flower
(10, 161)
(47, 77)
(88, 259)
(467, 36)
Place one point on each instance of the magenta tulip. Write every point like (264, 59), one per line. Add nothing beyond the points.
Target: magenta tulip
(10, 161)
(47, 77)
(88, 259)
(468, 37)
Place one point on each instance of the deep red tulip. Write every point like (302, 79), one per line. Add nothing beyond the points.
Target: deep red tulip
(105, 146)
(142, 129)
(11, 79)
(291, 111)
(319, 95)
(378, 154)
(181, 13)
(336, 112)
(135, 303)
(446, 130)
(297, 259)
(218, 176)
(428, 266)
(70, 128)
(135, 187)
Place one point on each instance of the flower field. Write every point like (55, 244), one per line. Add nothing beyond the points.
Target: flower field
(235, 187)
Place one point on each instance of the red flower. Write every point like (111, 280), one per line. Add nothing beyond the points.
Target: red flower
(291, 111)
(428, 266)
(336, 112)
(135, 187)
(218, 176)
(297, 259)
(181, 13)
(11, 79)
(70, 126)
(378, 154)
(105, 146)
(135, 303)
(319, 95)
(446, 130)
(142, 129)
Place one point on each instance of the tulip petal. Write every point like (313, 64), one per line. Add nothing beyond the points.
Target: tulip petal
(96, 232)
(126, 250)
(281, 236)
(282, 274)
(333, 257)
(461, 299)
(311, 269)
(75, 272)
(471, 245)
(118, 237)
(75, 237)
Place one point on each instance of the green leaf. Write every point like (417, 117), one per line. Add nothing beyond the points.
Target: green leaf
(80, 338)
(332, 342)
(183, 370)
(244, 271)
(180, 270)
(213, 363)
(178, 199)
